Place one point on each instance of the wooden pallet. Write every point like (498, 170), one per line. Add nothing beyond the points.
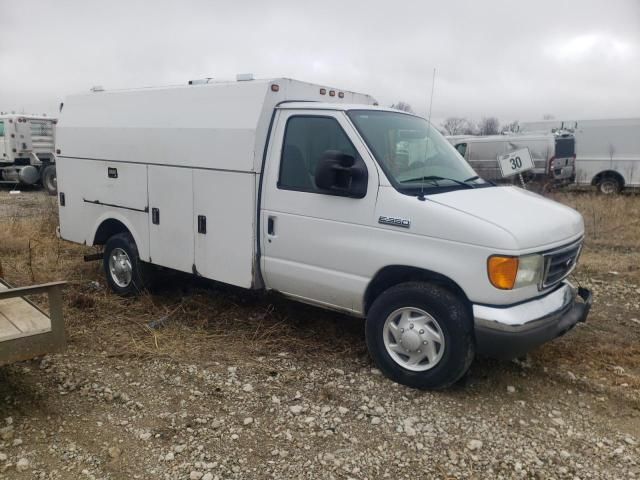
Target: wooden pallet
(25, 330)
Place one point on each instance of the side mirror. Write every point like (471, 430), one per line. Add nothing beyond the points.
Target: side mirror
(341, 174)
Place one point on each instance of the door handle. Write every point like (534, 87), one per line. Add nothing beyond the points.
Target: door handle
(202, 224)
(155, 216)
(271, 225)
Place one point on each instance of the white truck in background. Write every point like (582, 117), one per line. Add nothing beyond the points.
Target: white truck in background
(321, 195)
(553, 155)
(607, 151)
(27, 150)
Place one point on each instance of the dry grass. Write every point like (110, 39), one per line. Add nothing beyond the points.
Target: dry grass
(207, 323)
(612, 224)
(197, 319)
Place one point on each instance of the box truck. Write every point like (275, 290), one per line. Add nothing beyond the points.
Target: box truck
(553, 155)
(607, 150)
(27, 150)
(319, 194)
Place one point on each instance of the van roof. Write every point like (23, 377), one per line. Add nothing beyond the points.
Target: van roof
(501, 138)
(335, 106)
(26, 116)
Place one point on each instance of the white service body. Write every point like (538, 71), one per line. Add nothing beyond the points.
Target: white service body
(155, 162)
(604, 148)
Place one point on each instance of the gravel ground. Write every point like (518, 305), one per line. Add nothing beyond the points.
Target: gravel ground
(279, 417)
(309, 403)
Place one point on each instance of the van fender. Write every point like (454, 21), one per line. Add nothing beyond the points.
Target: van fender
(143, 247)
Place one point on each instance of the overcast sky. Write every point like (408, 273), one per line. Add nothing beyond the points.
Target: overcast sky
(514, 60)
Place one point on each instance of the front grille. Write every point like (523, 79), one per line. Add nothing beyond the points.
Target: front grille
(560, 263)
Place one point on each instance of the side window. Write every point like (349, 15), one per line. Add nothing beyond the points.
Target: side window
(1, 129)
(486, 151)
(462, 149)
(306, 139)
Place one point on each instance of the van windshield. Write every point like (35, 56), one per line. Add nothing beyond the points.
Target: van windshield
(414, 156)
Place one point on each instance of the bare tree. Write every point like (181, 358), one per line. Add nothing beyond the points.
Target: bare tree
(548, 116)
(489, 126)
(512, 127)
(471, 129)
(457, 126)
(404, 106)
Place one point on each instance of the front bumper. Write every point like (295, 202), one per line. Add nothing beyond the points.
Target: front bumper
(512, 331)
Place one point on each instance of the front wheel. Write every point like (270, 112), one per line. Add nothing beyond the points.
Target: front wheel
(420, 335)
(123, 268)
(49, 179)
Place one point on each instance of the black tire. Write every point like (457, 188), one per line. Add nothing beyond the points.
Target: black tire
(49, 180)
(609, 186)
(123, 242)
(453, 318)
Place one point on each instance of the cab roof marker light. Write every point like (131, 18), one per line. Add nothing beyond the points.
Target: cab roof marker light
(332, 93)
(323, 91)
(201, 81)
(275, 87)
(341, 94)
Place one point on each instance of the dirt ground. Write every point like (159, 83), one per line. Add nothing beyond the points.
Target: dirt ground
(200, 381)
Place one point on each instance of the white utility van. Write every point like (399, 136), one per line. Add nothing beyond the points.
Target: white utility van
(27, 150)
(319, 194)
(553, 155)
(608, 150)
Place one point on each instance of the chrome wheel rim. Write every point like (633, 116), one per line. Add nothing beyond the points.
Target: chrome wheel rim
(120, 268)
(413, 339)
(608, 187)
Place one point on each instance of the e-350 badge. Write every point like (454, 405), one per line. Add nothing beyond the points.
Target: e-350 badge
(396, 222)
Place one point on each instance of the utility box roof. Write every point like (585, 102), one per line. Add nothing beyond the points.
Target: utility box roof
(167, 123)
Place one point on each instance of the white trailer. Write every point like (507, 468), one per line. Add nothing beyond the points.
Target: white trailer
(318, 194)
(607, 151)
(27, 150)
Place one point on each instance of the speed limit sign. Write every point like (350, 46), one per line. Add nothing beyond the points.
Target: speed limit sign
(515, 162)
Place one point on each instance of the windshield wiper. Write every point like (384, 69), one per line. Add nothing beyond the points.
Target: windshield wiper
(477, 177)
(435, 178)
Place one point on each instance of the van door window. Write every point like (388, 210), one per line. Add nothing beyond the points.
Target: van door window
(462, 149)
(306, 139)
(1, 129)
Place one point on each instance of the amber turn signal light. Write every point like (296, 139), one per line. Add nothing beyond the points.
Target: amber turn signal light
(503, 271)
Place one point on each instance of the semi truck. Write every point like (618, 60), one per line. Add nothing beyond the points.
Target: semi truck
(607, 150)
(27, 150)
(323, 196)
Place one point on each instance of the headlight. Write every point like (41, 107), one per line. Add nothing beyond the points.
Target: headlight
(507, 273)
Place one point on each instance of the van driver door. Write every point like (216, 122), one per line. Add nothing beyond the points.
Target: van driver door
(312, 239)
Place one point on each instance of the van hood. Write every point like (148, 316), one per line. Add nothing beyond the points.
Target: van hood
(532, 220)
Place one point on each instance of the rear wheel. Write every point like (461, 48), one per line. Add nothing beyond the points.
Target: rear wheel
(49, 179)
(420, 335)
(609, 186)
(125, 272)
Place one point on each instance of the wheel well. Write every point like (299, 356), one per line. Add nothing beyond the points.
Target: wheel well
(395, 274)
(107, 229)
(608, 173)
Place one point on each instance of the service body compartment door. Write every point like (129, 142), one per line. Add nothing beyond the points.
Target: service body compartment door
(224, 221)
(170, 217)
